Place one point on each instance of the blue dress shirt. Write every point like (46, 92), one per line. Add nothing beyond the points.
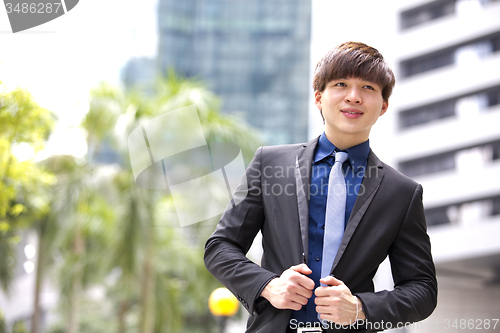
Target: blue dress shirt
(354, 170)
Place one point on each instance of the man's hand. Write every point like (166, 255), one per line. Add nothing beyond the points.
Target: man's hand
(291, 290)
(336, 303)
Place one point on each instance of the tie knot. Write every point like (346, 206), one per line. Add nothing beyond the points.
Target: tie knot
(341, 156)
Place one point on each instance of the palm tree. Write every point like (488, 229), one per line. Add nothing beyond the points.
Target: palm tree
(158, 257)
(78, 227)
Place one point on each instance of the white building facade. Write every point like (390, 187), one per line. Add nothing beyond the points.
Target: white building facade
(443, 130)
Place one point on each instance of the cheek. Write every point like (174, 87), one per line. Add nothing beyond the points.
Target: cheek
(377, 104)
(332, 100)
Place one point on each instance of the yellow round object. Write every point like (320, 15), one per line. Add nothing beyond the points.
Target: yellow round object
(223, 303)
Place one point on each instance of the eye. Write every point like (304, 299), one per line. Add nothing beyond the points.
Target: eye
(340, 84)
(369, 87)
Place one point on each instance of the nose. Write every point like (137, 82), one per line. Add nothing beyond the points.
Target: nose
(353, 96)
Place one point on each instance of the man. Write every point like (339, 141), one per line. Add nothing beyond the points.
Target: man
(330, 212)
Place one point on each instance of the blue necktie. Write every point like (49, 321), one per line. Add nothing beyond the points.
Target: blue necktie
(335, 214)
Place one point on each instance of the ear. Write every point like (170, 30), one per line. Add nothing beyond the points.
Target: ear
(385, 106)
(317, 99)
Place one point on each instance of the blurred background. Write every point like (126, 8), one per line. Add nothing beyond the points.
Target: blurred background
(82, 249)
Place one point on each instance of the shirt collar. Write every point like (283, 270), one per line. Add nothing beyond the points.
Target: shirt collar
(357, 154)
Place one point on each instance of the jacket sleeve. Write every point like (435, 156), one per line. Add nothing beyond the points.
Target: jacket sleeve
(225, 250)
(414, 296)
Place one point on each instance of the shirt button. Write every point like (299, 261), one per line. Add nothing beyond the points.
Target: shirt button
(317, 258)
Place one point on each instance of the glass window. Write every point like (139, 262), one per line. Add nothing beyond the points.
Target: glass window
(463, 106)
(436, 216)
(426, 114)
(495, 43)
(454, 160)
(428, 165)
(493, 97)
(495, 204)
(420, 15)
(465, 54)
(495, 154)
(428, 62)
(464, 213)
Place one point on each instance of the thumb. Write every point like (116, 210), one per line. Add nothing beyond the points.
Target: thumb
(302, 268)
(331, 281)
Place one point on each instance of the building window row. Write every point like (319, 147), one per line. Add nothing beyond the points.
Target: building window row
(438, 9)
(460, 55)
(462, 107)
(464, 214)
(464, 160)
(430, 12)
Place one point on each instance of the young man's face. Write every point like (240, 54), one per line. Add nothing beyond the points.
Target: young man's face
(350, 108)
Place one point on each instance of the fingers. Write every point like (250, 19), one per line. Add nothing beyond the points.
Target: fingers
(291, 290)
(335, 302)
(300, 278)
(331, 281)
(325, 291)
(299, 287)
(296, 286)
(296, 300)
(333, 287)
(302, 268)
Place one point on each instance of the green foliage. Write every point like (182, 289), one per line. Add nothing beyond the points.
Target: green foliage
(19, 327)
(3, 328)
(81, 225)
(181, 282)
(97, 227)
(96, 316)
(22, 183)
(22, 121)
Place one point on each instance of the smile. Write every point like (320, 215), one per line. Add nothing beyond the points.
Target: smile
(351, 113)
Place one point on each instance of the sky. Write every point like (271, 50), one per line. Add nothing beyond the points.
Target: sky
(61, 60)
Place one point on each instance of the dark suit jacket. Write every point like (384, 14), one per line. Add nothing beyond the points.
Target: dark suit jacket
(387, 219)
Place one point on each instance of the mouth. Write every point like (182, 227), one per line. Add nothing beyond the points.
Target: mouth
(352, 113)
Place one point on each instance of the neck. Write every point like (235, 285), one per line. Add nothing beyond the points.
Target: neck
(343, 141)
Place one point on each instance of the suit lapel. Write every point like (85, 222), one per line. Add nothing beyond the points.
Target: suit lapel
(371, 181)
(303, 167)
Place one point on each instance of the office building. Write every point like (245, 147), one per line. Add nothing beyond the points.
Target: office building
(253, 54)
(446, 135)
